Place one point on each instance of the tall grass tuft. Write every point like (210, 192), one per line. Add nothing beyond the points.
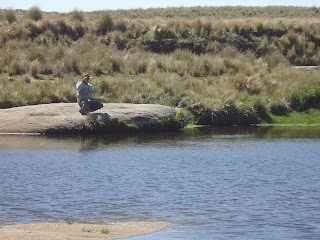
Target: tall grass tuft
(274, 58)
(16, 68)
(279, 106)
(34, 68)
(305, 96)
(77, 15)
(9, 15)
(117, 40)
(70, 65)
(120, 25)
(34, 13)
(105, 24)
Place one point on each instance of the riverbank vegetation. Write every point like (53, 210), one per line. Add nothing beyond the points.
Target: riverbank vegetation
(306, 118)
(223, 65)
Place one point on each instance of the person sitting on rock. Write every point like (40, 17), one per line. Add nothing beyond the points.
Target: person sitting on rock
(84, 92)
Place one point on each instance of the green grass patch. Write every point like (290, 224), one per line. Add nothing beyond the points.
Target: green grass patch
(191, 126)
(87, 230)
(72, 221)
(309, 117)
(105, 231)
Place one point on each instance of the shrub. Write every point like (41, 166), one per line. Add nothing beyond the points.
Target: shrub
(213, 47)
(292, 54)
(182, 68)
(279, 107)
(260, 108)
(10, 16)
(35, 53)
(153, 65)
(274, 58)
(117, 40)
(284, 43)
(201, 67)
(234, 64)
(264, 44)
(305, 96)
(77, 15)
(63, 28)
(182, 28)
(97, 68)
(239, 82)
(206, 29)
(259, 27)
(141, 66)
(16, 68)
(31, 28)
(105, 24)
(120, 25)
(218, 67)
(114, 65)
(34, 68)
(292, 36)
(45, 68)
(70, 65)
(196, 27)
(104, 87)
(34, 13)
(79, 31)
(47, 25)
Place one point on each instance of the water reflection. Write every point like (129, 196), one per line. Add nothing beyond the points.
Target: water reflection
(102, 141)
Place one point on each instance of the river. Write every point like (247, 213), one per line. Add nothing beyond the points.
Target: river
(208, 183)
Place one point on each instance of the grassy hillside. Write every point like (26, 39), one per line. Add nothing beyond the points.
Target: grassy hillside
(224, 65)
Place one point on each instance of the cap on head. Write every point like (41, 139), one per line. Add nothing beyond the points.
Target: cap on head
(86, 75)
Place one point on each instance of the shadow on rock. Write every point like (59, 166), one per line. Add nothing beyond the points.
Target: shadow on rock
(100, 117)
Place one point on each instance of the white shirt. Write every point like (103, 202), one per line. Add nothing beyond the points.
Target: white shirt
(84, 91)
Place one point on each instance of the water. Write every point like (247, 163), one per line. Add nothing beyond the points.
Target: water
(216, 183)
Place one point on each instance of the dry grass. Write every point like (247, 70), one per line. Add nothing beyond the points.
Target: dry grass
(188, 57)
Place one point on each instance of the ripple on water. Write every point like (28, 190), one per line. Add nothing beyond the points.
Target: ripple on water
(241, 186)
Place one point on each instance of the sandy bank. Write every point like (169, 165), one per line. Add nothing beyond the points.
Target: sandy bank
(78, 231)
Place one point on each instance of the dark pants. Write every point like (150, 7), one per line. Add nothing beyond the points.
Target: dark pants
(88, 105)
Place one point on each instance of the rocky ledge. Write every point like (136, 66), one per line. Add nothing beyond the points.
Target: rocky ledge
(59, 118)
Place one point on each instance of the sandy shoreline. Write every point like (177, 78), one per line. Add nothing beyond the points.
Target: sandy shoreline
(79, 231)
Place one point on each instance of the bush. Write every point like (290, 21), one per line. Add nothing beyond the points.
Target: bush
(104, 87)
(79, 31)
(279, 107)
(16, 68)
(77, 15)
(114, 65)
(201, 67)
(305, 97)
(260, 108)
(34, 13)
(10, 16)
(34, 68)
(97, 68)
(31, 29)
(63, 28)
(70, 64)
(105, 25)
(239, 82)
(292, 54)
(274, 58)
(120, 25)
(117, 40)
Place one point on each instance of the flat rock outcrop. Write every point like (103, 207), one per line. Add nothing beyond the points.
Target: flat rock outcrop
(65, 118)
